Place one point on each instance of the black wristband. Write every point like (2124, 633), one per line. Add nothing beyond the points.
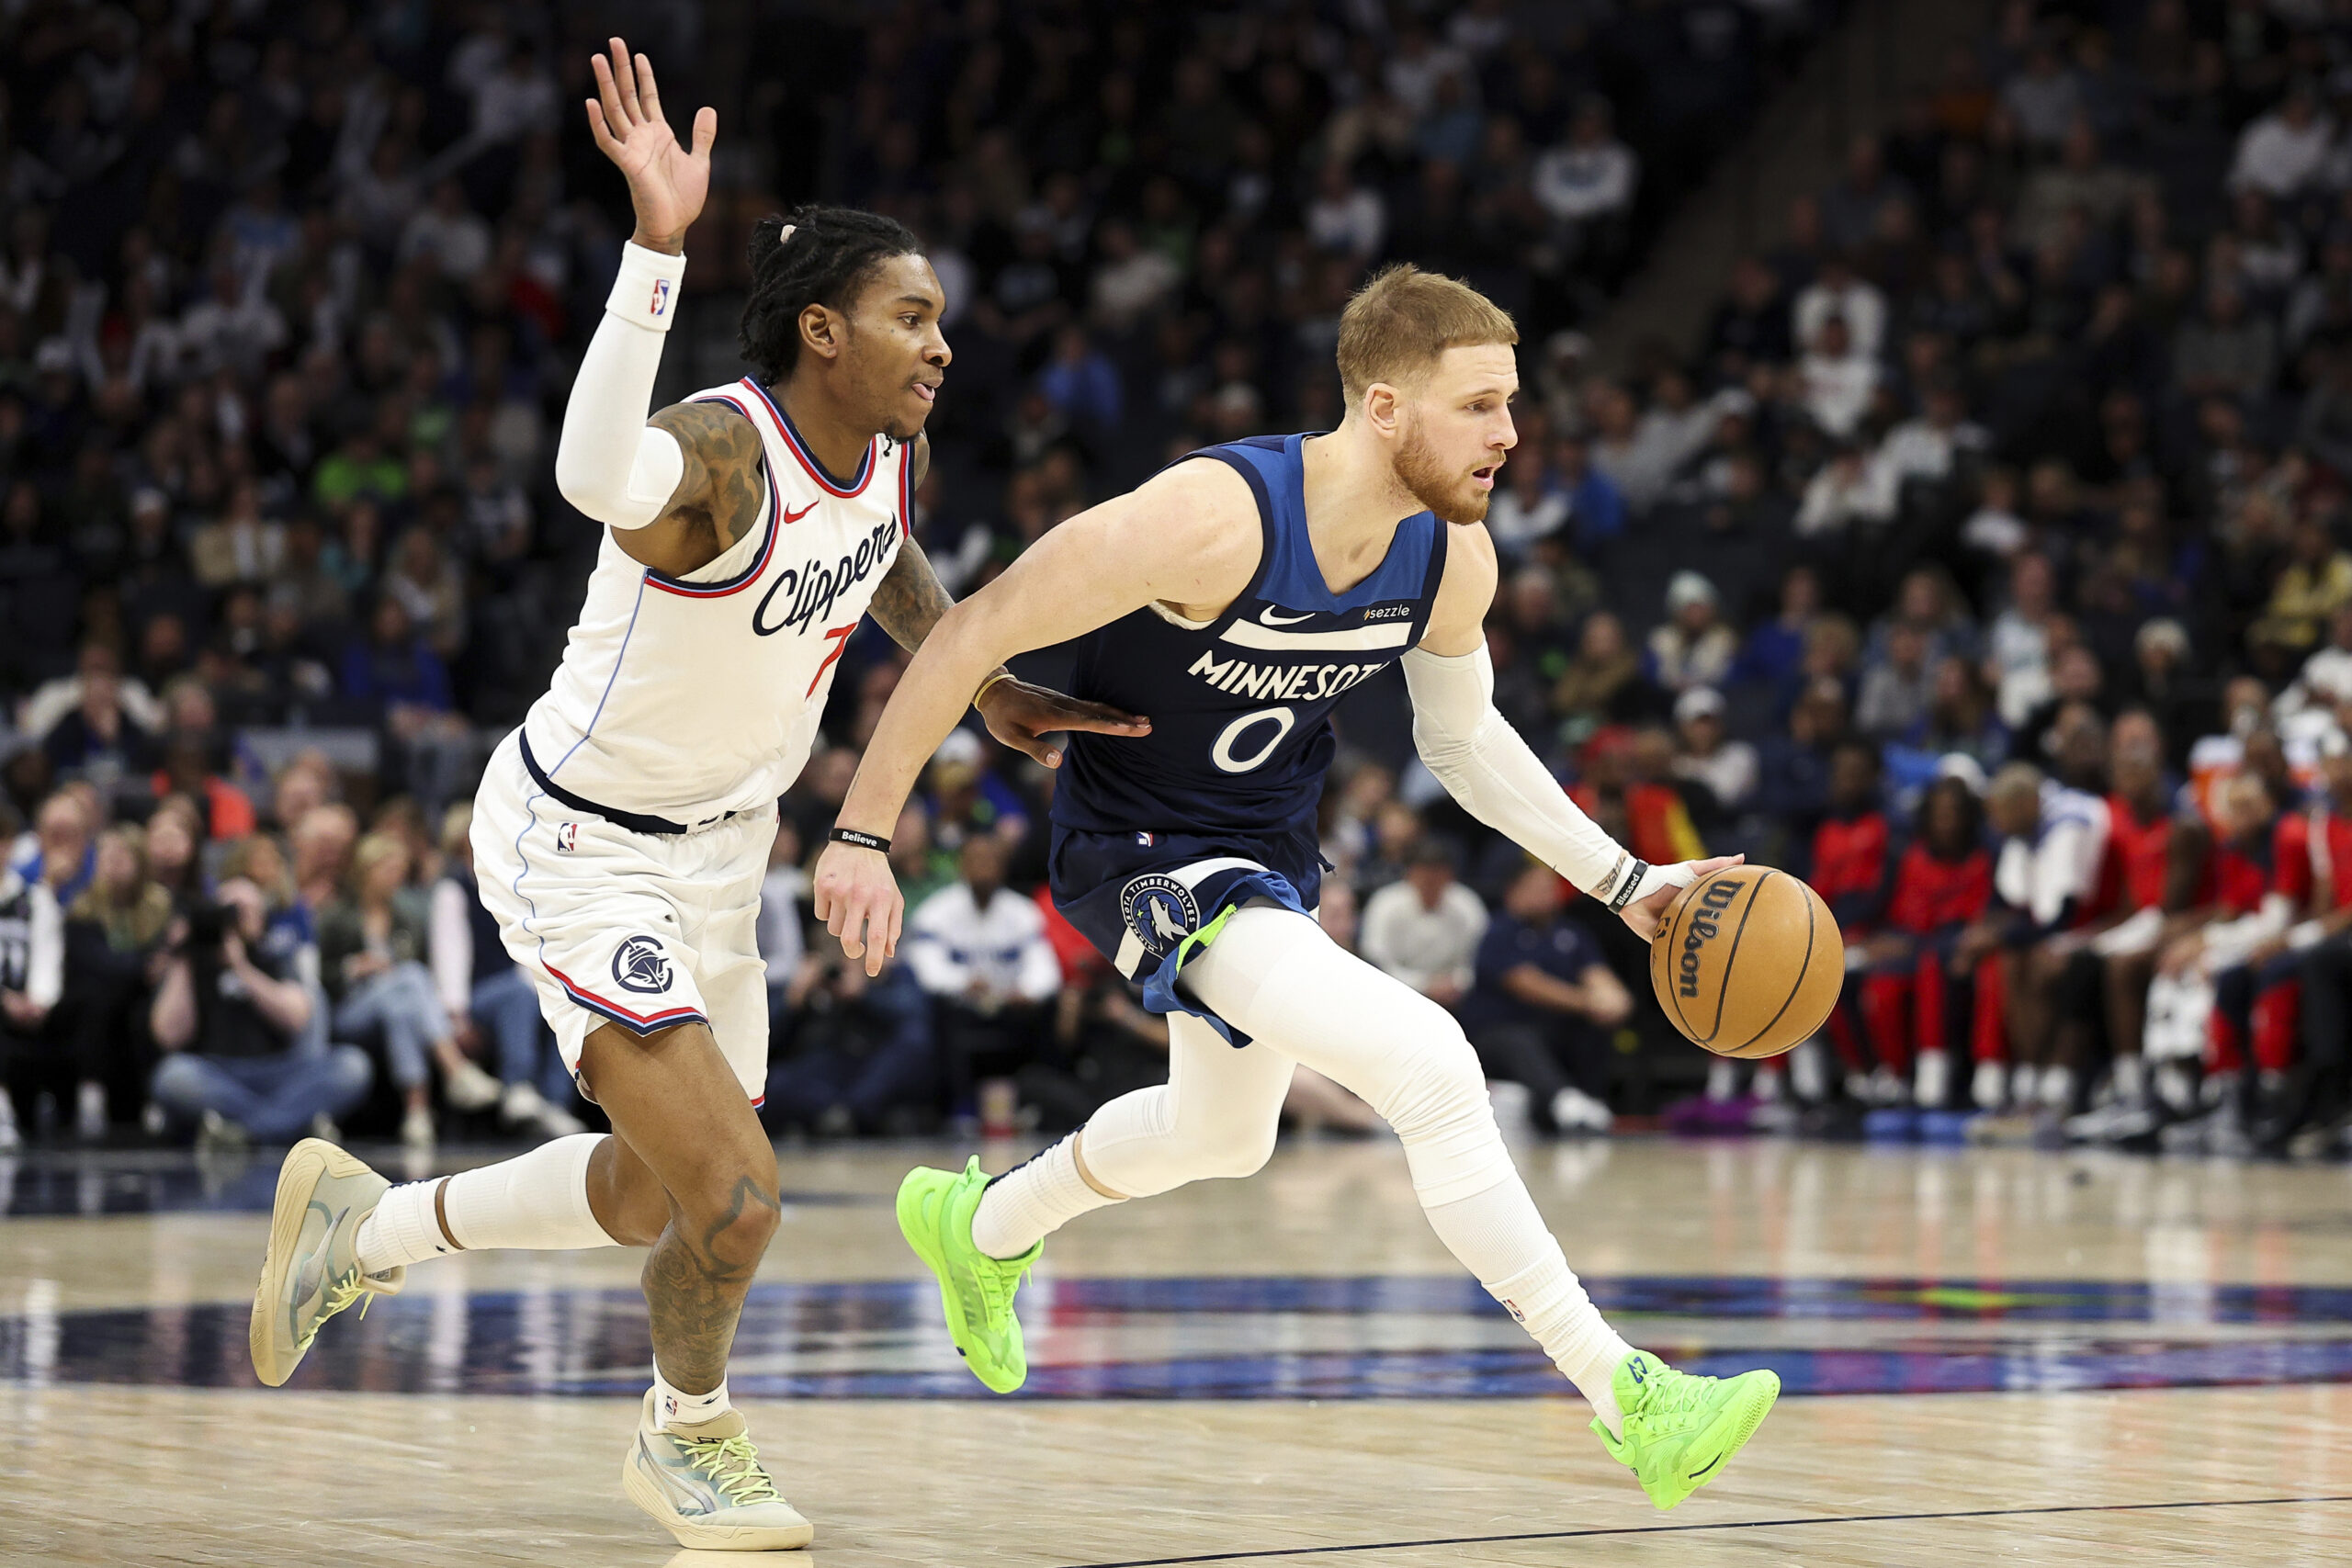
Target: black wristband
(1624, 894)
(862, 840)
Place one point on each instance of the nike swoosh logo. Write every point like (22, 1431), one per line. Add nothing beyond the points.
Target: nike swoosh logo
(790, 516)
(1710, 1465)
(1267, 617)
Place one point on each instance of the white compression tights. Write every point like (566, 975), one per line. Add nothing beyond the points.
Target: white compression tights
(1300, 997)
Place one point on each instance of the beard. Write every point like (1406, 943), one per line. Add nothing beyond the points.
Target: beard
(1449, 492)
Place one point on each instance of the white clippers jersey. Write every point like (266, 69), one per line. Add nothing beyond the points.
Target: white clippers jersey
(686, 698)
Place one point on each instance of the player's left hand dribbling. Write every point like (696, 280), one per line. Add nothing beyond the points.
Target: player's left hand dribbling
(859, 901)
(1021, 716)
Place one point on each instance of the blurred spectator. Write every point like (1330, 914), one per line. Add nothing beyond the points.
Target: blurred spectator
(979, 952)
(229, 1019)
(1586, 184)
(856, 1054)
(371, 960)
(1896, 685)
(1543, 1001)
(1727, 768)
(489, 998)
(1424, 929)
(32, 978)
(1694, 648)
(113, 934)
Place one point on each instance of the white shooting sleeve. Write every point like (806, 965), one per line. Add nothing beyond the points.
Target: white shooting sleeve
(610, 463)
(1484, 763)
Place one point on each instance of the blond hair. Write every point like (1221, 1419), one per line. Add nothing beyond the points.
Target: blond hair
(1400, 322)
(370, 853)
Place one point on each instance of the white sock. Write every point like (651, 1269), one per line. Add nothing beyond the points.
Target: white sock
(673, 1407)
(2057, 1088)
(404, 1229)
(1033, 1201)
(2131, 1080)
(538, 1201)
(1498, 1236)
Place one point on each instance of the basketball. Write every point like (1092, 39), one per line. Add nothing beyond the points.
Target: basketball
(1748, 962)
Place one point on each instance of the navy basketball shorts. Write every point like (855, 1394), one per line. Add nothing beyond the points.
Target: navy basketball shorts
(1138, 896)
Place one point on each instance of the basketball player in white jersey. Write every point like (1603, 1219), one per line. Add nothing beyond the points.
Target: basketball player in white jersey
(621, 834)
(1230, 598)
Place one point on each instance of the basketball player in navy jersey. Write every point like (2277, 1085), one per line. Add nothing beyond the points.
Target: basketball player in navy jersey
(1234, 598)
(623, 830)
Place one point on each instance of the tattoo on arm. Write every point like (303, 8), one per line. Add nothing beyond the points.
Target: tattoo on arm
(695, 1284)
(910, 600)
(721, 490)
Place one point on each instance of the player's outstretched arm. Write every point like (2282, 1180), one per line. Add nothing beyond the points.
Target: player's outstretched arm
(1188, 537)
(908, 604)
(672, 487)
(1490, 769)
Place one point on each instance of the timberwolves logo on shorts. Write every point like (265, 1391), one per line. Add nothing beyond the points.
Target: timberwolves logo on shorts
(1160, 911)
(641, 965)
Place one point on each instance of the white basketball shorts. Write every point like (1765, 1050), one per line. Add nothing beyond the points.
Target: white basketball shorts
(645, 931)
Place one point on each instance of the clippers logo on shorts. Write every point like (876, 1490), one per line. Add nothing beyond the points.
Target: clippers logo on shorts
(661, 295)
(567, 837)
(1160, 911)
(642, 967)
(1704, 926)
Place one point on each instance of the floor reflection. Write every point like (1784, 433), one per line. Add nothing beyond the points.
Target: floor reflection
(1252, 1338)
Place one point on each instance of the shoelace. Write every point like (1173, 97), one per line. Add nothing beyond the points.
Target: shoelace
(1673, 1402)
(733, 1466)
(348, 1287)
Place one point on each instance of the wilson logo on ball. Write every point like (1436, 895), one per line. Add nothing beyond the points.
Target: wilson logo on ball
(1717, 897)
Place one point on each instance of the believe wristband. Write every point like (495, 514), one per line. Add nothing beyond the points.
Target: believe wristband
(856, 840)
(645, 291)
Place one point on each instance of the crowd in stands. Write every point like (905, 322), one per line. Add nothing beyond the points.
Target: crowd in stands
(1984, 559)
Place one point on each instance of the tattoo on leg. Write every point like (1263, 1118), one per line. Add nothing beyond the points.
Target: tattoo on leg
(696, 1278)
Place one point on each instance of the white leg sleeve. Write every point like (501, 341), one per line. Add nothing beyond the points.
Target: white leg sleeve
(1274, 974)
(609, 463)
(1216, 1115)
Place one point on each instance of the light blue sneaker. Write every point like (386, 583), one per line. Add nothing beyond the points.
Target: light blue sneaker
(705, 1485)
(311, 1271)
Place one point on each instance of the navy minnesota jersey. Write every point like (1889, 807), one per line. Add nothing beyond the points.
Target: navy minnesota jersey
(1240, 708)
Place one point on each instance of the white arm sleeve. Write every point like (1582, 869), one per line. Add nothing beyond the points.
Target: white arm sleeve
(609, 463)
(1484, 763)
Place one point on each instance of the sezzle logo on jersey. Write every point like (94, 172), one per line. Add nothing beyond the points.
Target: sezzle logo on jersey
(1282, 682)
(808, 589)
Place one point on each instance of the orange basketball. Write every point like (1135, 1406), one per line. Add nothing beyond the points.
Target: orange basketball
(1748, 962)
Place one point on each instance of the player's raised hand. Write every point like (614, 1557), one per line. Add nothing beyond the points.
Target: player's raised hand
(1022, 716)
(667, 184)
(1648, 916)
(859, 901)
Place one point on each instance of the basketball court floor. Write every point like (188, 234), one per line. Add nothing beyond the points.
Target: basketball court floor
(1989, 1355)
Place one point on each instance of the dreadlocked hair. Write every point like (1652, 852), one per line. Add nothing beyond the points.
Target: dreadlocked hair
(830, 253)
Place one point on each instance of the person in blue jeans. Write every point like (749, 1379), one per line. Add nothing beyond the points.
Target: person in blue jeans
(231, 1017)
(486, 994)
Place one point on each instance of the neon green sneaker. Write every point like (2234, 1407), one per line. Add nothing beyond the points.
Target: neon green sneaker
(1680, 1429)
(936, 1210)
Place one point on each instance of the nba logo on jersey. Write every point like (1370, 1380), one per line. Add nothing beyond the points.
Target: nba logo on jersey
(567, 837)
(661, 295)
(1144, 840)
(1160, 911)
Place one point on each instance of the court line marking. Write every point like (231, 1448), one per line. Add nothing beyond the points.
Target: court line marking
(1727, 1525)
